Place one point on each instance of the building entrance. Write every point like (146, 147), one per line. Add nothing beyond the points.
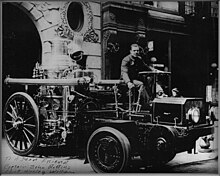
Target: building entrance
(21, 46)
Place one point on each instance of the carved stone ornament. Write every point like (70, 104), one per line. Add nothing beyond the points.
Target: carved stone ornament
(140, 38)
(65, 31)
(112, 17)
(108, 45)
(113, 47)
(91, 36)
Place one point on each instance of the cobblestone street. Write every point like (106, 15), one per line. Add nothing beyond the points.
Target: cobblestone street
(36, 164)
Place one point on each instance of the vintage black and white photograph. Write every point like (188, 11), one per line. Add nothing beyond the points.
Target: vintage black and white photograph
(109, 87)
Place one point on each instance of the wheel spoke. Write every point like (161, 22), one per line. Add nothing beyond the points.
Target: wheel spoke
(19, 105)
(29, 131)
(28, 119)
(13, 111)
(12, 135)
(16, 106)
(29, 125)
(25, 145)
(8, 121)
(7, 130)
(16, 143)
(11, 115)
(27, 137)
(23, 105)
(20, 144)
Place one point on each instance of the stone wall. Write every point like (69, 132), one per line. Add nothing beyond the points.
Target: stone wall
(52, 20)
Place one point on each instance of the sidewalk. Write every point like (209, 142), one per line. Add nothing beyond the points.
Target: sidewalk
(184, 157)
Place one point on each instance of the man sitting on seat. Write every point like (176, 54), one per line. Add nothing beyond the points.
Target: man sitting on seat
(131, 65)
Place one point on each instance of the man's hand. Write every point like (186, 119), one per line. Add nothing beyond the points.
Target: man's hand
(130, 85)
(155, 70)
(158, 71)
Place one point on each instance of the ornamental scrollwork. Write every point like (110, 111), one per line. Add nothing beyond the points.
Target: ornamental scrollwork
(89, 14)
(91, 36)
(64, 32)
(88, 32)
(113, 47)
(112, 16)
(63, 29)
(110, 42)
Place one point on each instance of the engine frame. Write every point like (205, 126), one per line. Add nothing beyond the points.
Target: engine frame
(73, 109)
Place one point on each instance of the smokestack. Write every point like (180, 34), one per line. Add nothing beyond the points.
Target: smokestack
(75, 48)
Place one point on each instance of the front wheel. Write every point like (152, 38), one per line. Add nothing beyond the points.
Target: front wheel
(21, 123)
(162, 147)
(108, 150)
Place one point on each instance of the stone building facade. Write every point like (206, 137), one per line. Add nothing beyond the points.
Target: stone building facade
(183, 34)
(60, 22)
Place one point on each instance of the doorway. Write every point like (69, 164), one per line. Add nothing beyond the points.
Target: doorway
(21, 47)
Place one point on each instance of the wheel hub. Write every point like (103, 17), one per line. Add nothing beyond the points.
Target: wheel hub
(161, 144)
(18, 123)
(108, 152)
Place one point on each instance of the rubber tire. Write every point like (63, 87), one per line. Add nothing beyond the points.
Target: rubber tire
(158, 158)
(122, 146)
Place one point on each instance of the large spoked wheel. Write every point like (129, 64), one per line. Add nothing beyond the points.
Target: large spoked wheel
(21, 123)
(108, 150)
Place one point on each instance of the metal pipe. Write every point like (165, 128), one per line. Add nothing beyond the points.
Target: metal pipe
(129, 106)
(108, 82)
(169, 62)
(46, 82)
(66, 93)
(116, 99)
(138, 105)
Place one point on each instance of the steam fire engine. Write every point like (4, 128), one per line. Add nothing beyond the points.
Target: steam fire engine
(72, 108)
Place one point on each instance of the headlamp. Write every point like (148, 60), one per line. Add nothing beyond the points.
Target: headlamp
(194, 113)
